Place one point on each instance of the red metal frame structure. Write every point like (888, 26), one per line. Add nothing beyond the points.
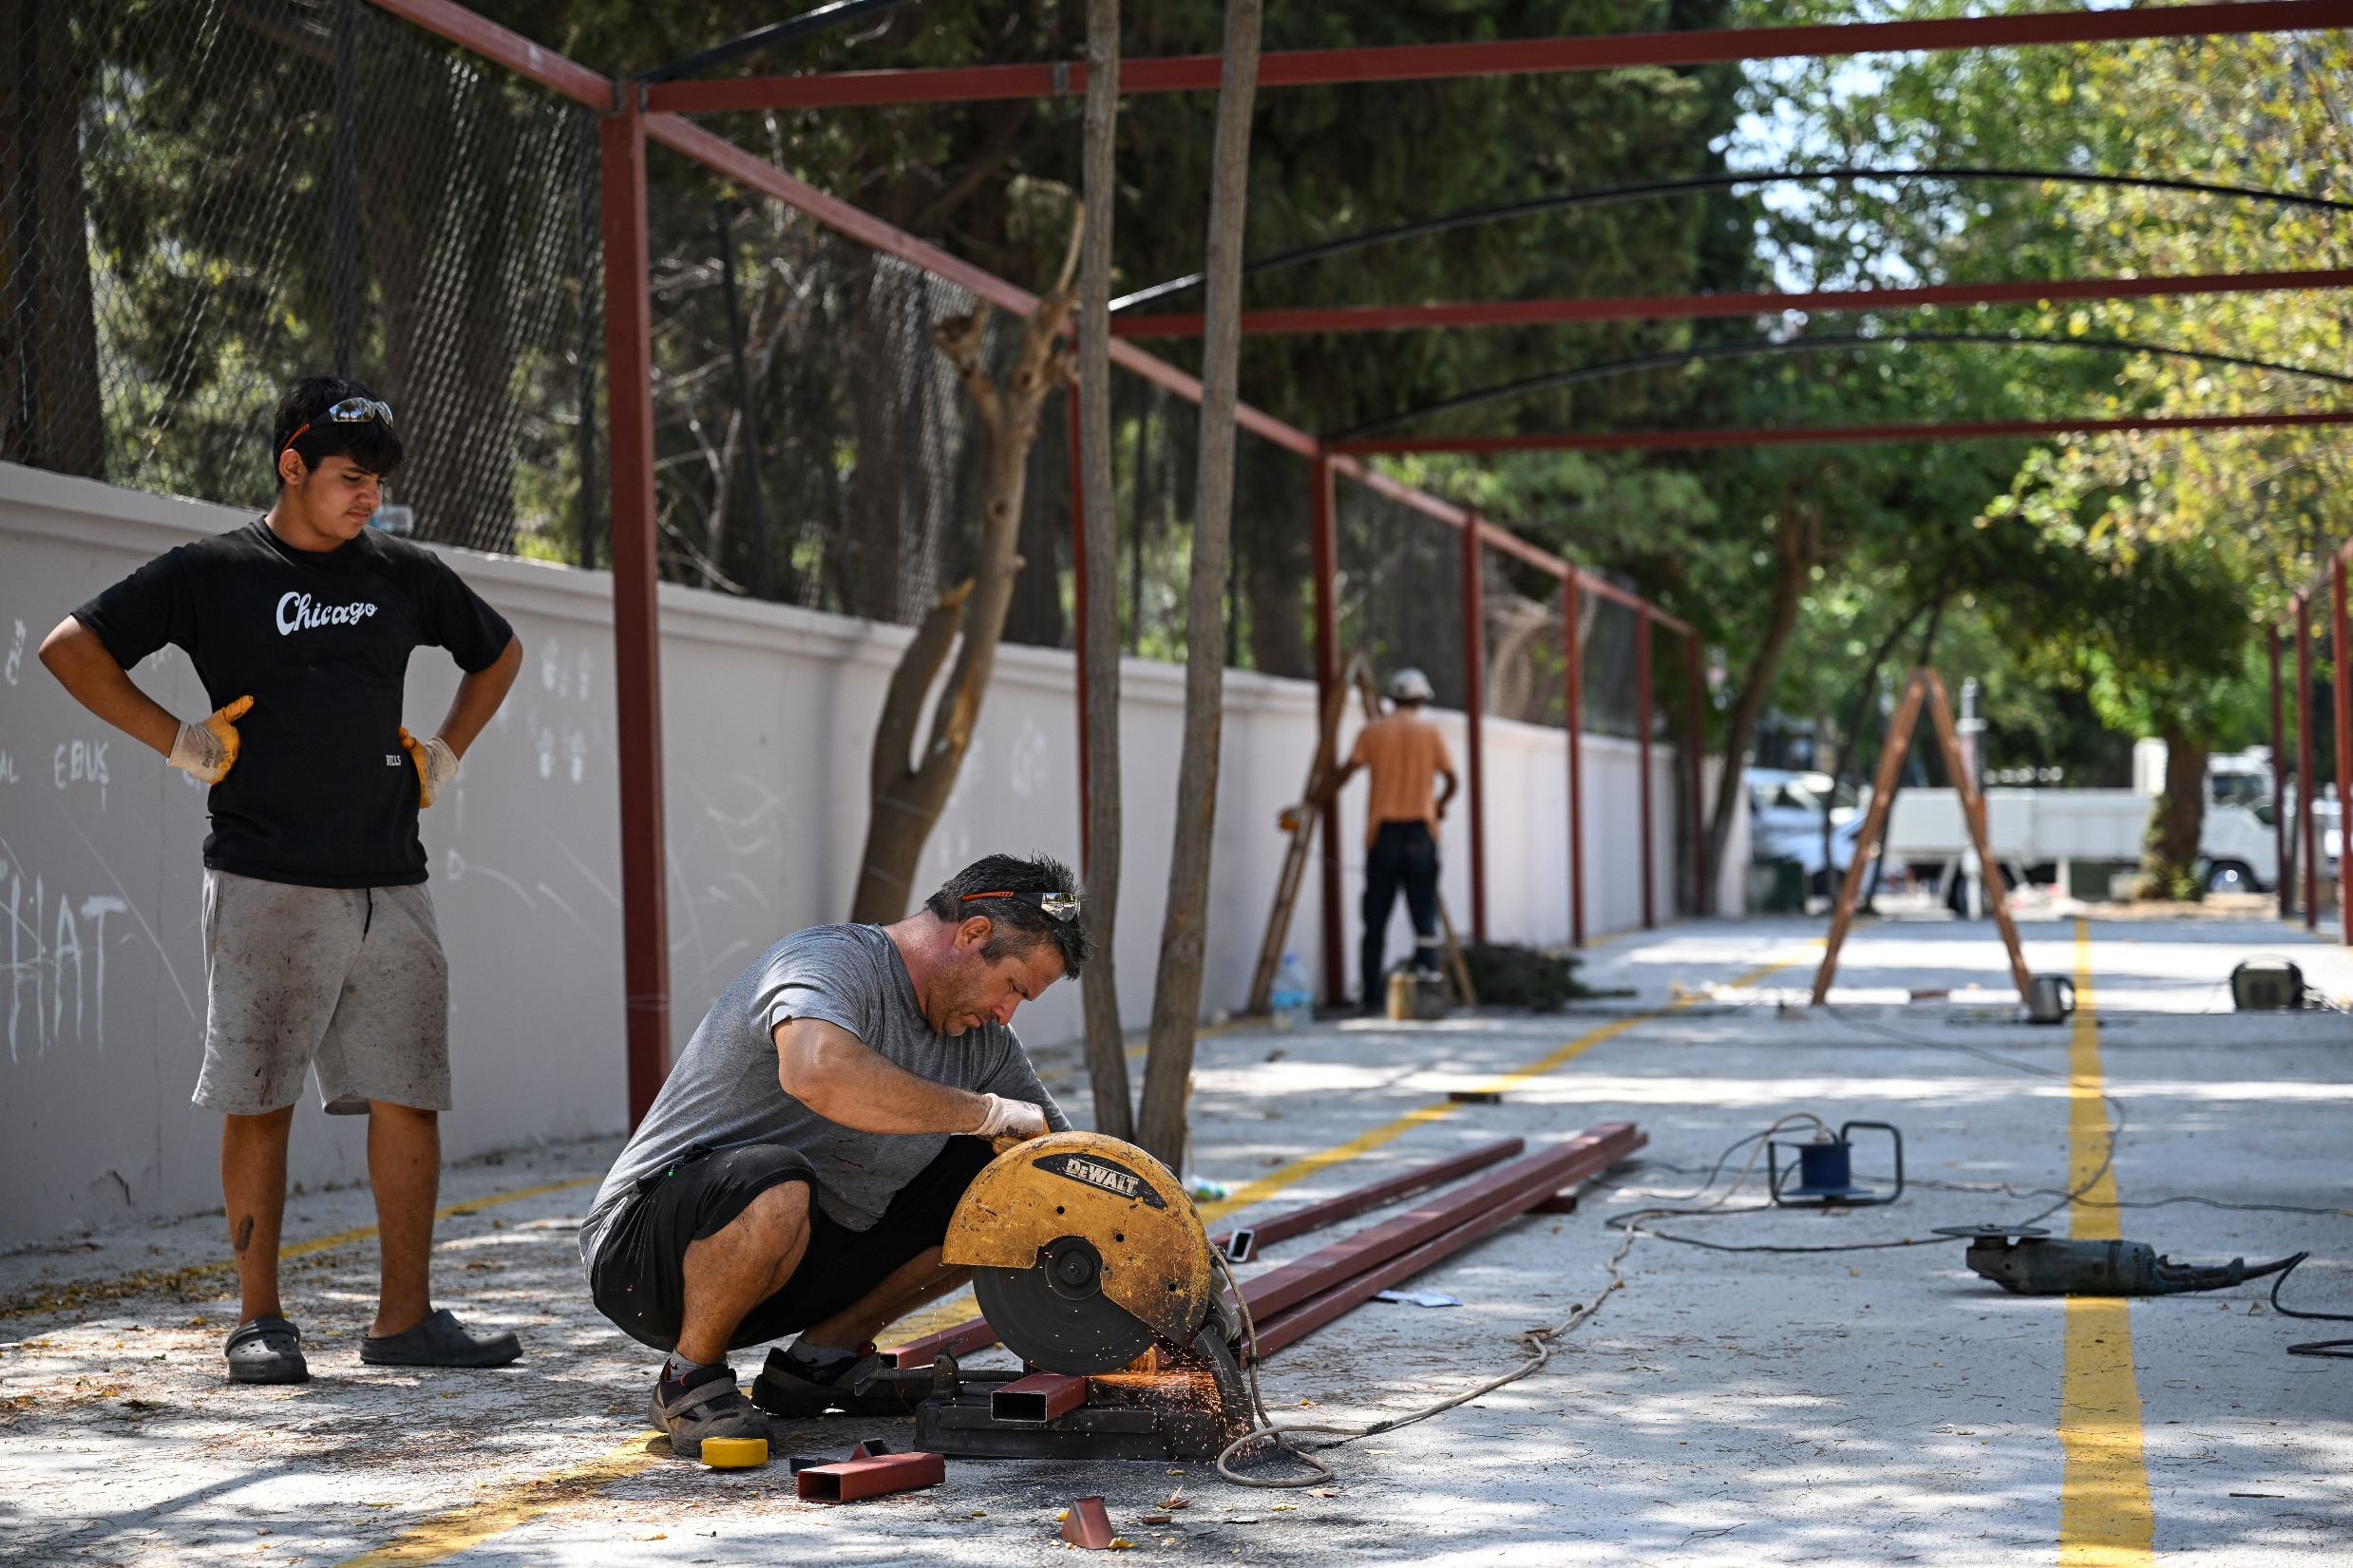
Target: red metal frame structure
(1820, 435)
(1506, 57)
(2303, 835)
(2340, 694)
(638, 113)
(2280, 889)
(1538, 313)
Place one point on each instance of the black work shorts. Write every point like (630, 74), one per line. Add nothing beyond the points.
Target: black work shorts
(639, 1276)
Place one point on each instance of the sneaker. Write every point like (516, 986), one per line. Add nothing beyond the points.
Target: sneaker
(441, 1340)
(706, 1405)
(268, 1350)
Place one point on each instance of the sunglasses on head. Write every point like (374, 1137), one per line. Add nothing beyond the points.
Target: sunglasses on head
(352, 411)
(1062, 906)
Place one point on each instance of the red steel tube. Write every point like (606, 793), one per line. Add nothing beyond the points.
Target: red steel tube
(1572, 611)
(1829, 435)
(1322, 1277)
(1505, 57)
(1642, 743)
(1296, 1322)
(2304, 764)
(506, 47)
(1539, 312)
(963, 1339)
(878, 1477)
(1693, 685)
(1040, 1396)
(2281, 885)
(1474, 720)
(1526, 1180)
(1323, 551)
(637, 627)
(1373, 1195)
(2341, 690)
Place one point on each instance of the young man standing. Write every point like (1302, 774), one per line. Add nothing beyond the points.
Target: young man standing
(321, 949)
(799, 1166)
(1406, 754)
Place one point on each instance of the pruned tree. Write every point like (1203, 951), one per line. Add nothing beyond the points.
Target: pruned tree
(906, 793)
(1184, 934)
(1107, 1052)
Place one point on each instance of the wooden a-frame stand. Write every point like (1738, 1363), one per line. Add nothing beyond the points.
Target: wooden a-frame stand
(1925, 686)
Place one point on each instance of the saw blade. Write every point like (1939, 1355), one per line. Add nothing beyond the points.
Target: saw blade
(1056, 1316)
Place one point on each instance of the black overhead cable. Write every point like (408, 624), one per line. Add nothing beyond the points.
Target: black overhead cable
(1604, 195)
(757, 39)
(1672, 358)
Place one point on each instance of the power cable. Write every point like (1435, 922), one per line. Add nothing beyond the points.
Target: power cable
(2334, 1350)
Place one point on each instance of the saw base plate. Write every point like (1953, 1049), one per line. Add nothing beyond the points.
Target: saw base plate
(1189, 1409)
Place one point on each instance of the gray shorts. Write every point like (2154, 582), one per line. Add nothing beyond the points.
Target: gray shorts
(351, 981)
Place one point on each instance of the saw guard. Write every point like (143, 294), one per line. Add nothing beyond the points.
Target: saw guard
(1155, 1254)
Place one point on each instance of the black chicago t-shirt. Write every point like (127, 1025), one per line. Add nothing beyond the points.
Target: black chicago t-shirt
(322, 794)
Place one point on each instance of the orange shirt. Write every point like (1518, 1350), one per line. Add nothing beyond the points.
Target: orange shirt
(1405, 754)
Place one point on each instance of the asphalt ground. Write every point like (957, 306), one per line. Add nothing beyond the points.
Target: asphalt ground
(1868, 1405)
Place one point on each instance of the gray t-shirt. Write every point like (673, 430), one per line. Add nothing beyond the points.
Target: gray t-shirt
(724, 1090)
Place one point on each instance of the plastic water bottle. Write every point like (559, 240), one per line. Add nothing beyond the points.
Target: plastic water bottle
(1294, 1003)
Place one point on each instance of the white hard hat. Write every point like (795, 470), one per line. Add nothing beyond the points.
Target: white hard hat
(1409, 685)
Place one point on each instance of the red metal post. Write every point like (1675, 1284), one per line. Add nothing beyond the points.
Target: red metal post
(2341, 690)
(1078, 630)
(1474, 719)
(1533, 313)
(2303, 761)
(1641, 741)
(1323, 549)
(1693, 683)
(2282, 886)
(1572, 608)
(636, 624)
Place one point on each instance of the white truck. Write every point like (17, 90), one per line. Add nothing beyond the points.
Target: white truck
(2104, 828)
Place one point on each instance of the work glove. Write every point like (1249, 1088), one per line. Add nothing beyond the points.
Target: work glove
(1010, 1121)
(436, 765)
(207, 750)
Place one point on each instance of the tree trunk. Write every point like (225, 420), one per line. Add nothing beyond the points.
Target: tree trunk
(1799, 531)
(1107, 1042)
(2170, 855)
(50, 410)
(906, 799)
(1176, 997)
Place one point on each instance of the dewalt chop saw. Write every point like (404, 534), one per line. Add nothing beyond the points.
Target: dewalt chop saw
(1091, 1266)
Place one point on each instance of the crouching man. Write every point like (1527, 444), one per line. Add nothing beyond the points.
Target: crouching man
(799, 1169)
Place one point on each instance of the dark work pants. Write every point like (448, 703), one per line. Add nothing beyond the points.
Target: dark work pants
(1403, 854)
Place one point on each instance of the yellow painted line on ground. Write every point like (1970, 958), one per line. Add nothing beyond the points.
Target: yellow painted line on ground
(1364, 1143)
(446, 1535)
(90, 1293)
(2104, 1515)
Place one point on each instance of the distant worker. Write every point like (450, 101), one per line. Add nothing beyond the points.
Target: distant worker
(1406, 755)
(320, 948)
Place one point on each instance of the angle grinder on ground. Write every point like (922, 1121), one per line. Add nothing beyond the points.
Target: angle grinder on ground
(1091, 1266)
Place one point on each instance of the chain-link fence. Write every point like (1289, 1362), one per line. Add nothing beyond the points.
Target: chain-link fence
(1400, 582)
(207, 199)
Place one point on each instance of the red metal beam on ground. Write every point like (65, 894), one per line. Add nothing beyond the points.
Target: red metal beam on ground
(1572, 611)
(1374, 1195)
(1504, 57)
(637, 621)
(1582, 1158)
(504, 47)
(1828, 435)
(1542, 313)
(1526, 1180)
(1474, 718)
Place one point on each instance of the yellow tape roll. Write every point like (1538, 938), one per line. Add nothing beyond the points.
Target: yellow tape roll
(735, 1453)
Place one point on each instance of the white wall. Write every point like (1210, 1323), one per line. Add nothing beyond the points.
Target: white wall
(767, 722)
